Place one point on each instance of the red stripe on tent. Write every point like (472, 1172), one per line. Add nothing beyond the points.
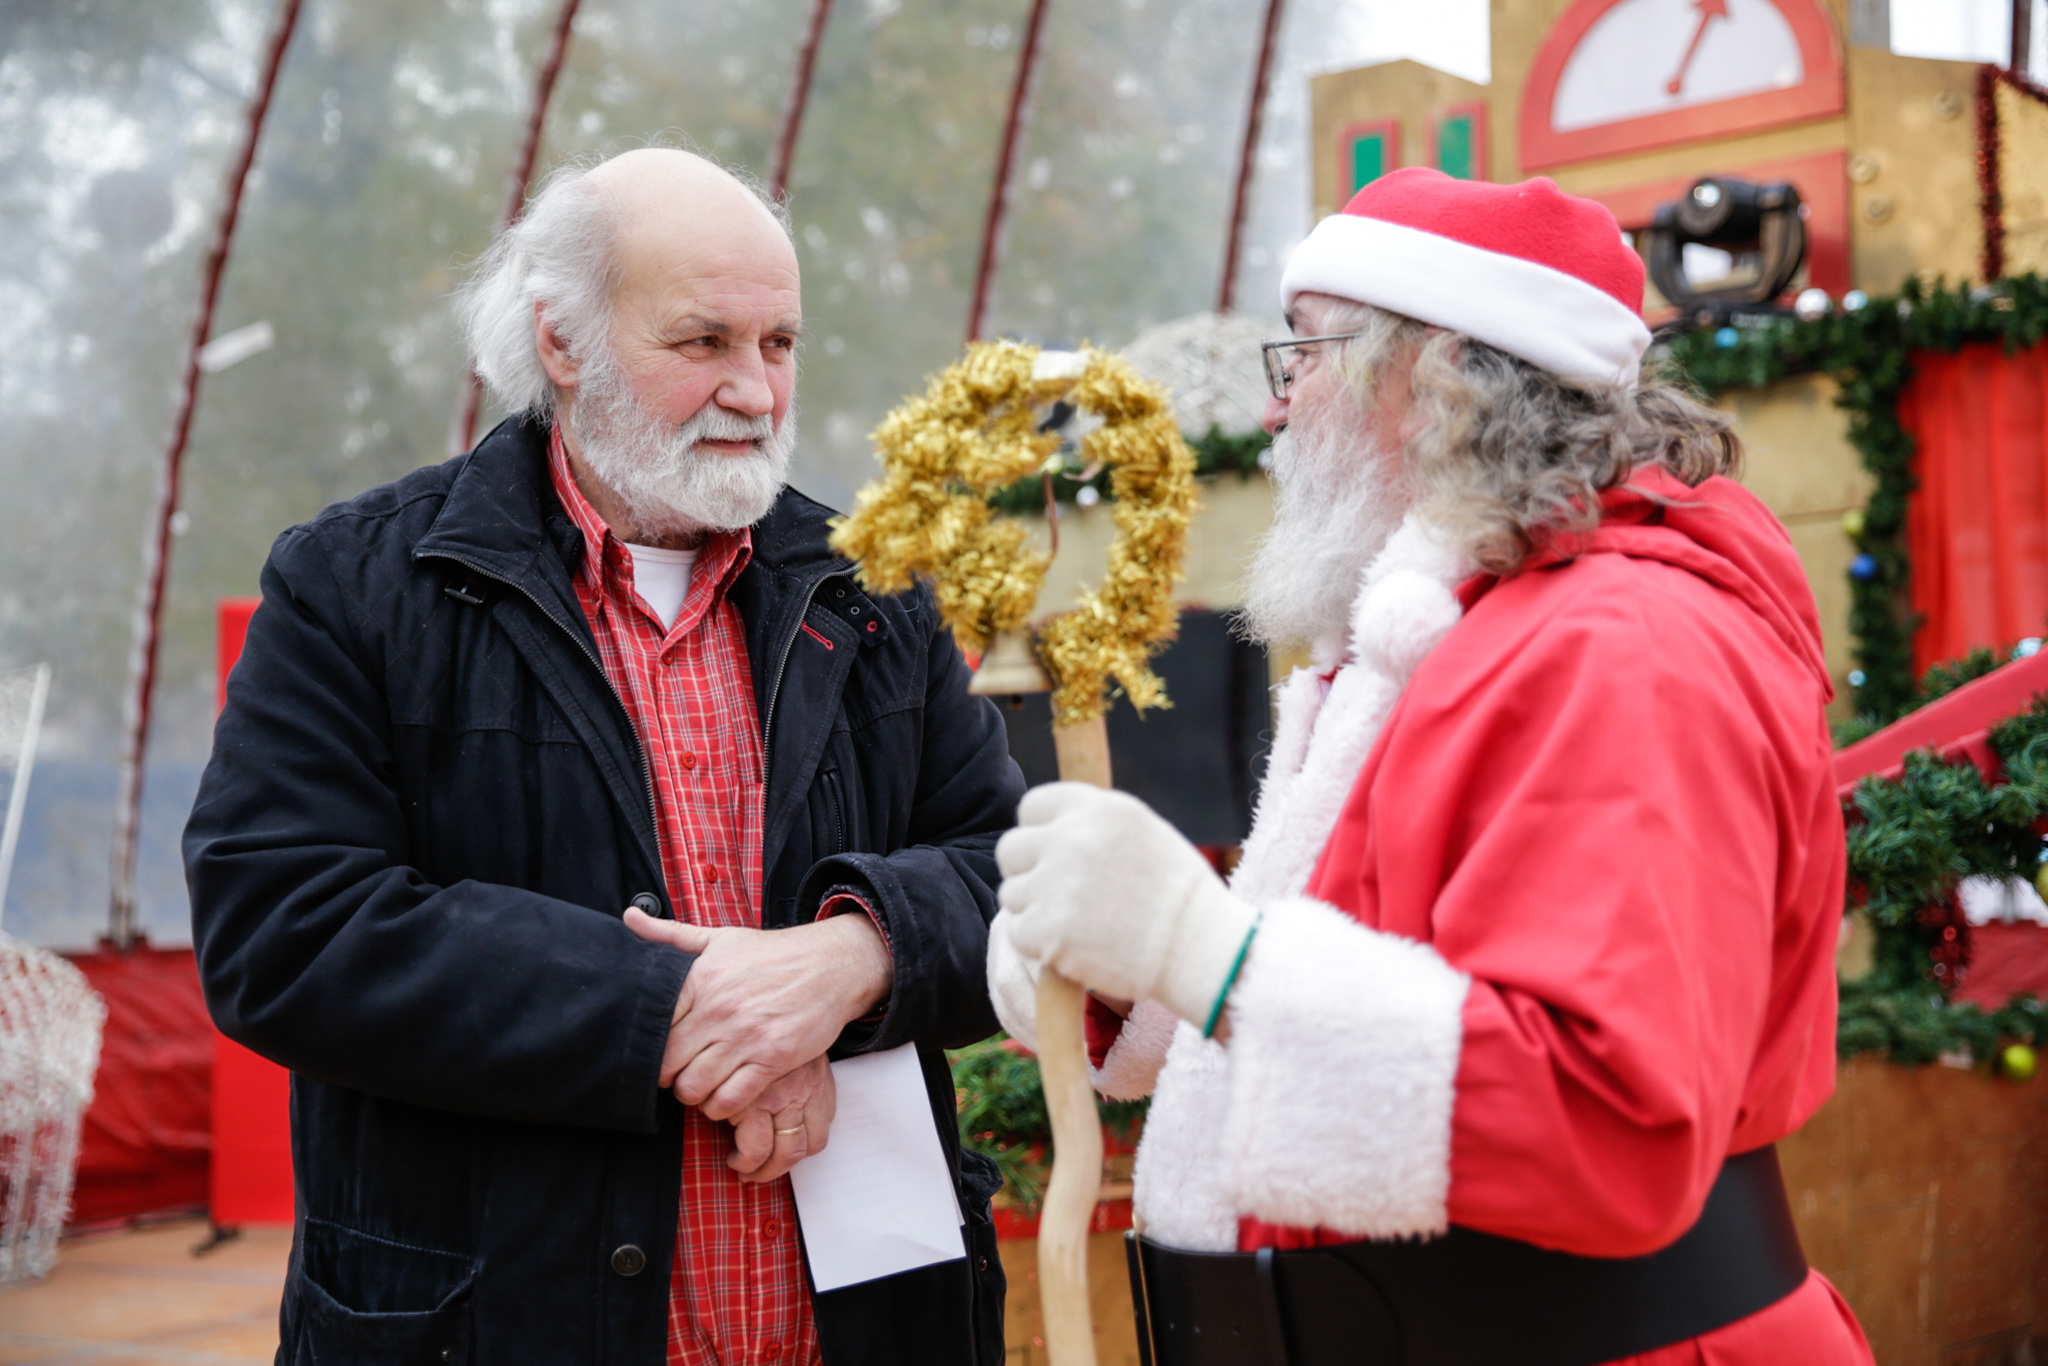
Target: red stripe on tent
(1226, 296)
(999, 195)
(157, 549)
(521, 178)
(799, 96)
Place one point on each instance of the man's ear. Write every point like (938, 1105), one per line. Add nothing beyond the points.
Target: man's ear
(562, 367)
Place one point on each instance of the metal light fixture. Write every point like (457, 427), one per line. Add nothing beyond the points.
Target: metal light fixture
(1755, 234)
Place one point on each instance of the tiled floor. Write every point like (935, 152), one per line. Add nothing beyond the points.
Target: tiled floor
(140, 1298)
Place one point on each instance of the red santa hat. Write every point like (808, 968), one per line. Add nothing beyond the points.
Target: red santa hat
(1541, 274)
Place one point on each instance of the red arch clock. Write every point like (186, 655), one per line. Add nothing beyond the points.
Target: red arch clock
(1617, 76)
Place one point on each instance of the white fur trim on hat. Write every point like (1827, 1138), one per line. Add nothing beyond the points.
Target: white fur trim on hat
(1550, 319)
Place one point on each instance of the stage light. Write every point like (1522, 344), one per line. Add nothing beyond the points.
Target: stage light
(1725, 246)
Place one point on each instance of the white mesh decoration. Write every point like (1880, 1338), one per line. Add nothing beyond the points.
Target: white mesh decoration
(49, 1049)
(1211, 363)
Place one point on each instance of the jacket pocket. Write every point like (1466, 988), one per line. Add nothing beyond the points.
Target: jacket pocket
(365, 1300)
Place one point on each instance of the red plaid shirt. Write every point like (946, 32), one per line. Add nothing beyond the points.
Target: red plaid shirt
(737, 1291)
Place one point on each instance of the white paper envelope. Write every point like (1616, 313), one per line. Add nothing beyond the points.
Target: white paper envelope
(879, 1199)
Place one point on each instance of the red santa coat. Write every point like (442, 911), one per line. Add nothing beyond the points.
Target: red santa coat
(1597, 859)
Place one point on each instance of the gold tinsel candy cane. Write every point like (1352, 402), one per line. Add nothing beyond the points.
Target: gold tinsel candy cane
(975, 431)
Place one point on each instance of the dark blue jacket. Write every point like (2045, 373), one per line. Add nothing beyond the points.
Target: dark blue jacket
(424, 816)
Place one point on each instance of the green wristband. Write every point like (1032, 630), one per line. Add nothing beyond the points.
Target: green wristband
(1236, 966)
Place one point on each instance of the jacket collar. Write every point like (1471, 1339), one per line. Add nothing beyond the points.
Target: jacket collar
(501, 516)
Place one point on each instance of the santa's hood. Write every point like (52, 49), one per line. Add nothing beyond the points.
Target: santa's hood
(1718, 530)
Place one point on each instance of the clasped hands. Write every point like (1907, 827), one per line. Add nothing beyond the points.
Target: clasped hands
(756, 1014)
(1098, 885)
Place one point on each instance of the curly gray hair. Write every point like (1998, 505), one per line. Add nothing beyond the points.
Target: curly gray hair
(1510, 455)
(557, 254)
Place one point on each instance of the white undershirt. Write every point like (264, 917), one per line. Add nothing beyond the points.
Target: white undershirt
(662, 579)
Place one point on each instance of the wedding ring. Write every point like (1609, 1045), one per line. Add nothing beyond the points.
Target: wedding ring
(797, 1130)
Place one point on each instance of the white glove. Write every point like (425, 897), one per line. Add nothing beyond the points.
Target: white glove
(1012, 983)
(1100, 887)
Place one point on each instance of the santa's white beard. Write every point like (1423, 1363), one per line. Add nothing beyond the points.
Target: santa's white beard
(1336, 500)
(669, 487)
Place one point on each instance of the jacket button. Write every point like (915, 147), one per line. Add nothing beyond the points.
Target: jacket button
(647, 903)
(629, 1260)
(981, 1263)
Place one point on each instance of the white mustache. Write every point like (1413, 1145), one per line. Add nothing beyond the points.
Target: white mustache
(713, 423)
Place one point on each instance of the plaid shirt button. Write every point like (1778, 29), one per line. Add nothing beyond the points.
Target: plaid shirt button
(773, 1228)
(689, 759)
(711, 872)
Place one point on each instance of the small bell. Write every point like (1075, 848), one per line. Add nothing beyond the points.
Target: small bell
(1011, 666)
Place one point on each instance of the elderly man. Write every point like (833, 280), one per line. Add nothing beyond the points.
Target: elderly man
(571, 805)
(1529, 961)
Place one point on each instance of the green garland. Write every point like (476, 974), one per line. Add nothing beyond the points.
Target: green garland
(1868, 353)
(1912, 839)
(1217, 453)
(1002, 1114)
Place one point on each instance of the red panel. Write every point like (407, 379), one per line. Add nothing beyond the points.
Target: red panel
(1823, 183)
(252, 1137)
(1955, 726)
(231, 628)
(1817, 96)
(1977, 526)
(144, 1141)
(251, 1115)
(2005, 961)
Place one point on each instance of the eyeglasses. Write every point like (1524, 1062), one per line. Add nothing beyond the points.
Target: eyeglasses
(1278, 376)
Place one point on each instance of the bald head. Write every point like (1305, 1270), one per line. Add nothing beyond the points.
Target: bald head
(666, 193)
(622, 252)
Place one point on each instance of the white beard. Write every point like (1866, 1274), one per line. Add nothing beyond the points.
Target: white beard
(669, 487)
(1336, 500)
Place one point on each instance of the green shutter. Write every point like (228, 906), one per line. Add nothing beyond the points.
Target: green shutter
(1368, 160)
(1454, 147)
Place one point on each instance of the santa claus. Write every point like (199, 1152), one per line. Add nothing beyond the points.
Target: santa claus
(1480, 1054)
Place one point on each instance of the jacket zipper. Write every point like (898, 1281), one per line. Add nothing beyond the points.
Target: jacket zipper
(639, 748)
(775, 689)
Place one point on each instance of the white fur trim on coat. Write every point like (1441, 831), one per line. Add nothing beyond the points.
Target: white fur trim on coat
(1343, 1063)
(1131, 1067)
(1181, 1198)
(1205, 1157)
(1405, 606)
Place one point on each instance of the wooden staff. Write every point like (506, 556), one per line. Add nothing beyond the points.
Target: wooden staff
(1076, 1182)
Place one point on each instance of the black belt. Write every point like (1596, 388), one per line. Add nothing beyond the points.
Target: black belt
(1469, 1298)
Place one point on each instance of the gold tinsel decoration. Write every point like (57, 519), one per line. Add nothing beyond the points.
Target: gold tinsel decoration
(975, 431)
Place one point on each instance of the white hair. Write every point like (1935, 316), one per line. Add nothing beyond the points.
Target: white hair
(560, 255)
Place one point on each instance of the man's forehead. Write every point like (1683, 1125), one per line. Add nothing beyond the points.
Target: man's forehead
(678, 274)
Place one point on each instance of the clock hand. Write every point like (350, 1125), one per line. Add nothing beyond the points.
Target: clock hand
(1710, 10)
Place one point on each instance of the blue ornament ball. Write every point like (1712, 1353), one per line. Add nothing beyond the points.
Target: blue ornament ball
(1863, 568)
(1727, 337)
